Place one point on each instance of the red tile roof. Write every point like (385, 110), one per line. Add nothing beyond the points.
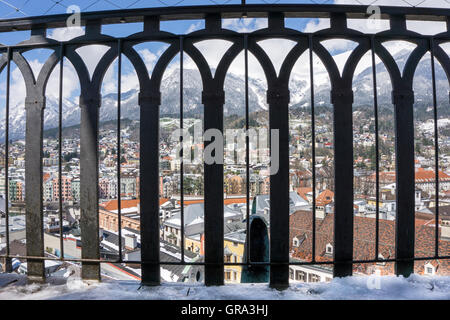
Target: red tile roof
(325, 197)
(113, 204)
(302, 191)
(364, 240)
(421, 175)
(225, 201)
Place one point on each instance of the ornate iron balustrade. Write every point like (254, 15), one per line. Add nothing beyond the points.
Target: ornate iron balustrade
(278, 97)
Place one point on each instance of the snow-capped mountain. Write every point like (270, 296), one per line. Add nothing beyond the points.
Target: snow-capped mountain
(234, 95)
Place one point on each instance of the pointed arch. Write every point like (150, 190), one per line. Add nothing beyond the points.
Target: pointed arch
(389, 63)
(413, 61)
(328, 62)
(352, 62)
(443, 59)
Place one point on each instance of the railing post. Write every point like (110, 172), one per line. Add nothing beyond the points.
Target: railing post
(6, 265)
(149, 103)
(213, 102)
(89, 223)
(342, 100)
(34, 106)
(278, 101)
(403, 101)
(7, 262)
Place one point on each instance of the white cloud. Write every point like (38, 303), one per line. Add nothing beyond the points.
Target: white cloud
(66, 34)
(316, 24)
(244, 24)
(368, 25)
(341, 45)
(427, 28)
(70, 82)
(277, 50)
(35, 66)
(194, 27)
(129, 81)
(18, 89)
(91, 55)
(213, 50)
(255, 69)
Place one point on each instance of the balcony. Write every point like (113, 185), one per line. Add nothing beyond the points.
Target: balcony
(334, 160)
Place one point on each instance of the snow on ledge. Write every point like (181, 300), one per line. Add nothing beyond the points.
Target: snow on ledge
(356, 287)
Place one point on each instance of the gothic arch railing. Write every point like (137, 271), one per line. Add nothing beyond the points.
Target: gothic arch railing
(278, 97)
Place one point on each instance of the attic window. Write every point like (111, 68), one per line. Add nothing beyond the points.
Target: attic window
(429, 269)
(329, 249)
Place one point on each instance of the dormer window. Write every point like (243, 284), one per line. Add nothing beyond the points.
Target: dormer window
(329, 249)
(295, 242)
(429, 269)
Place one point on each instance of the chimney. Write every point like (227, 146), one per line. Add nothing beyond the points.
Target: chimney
(445, 230)
(130, 241)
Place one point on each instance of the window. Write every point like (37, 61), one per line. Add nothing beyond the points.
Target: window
(295, 242)
(429, 269)
(228, 258)
(227, 275)
(313, 277)
(300, 275)
(329, 248)
(291, 274)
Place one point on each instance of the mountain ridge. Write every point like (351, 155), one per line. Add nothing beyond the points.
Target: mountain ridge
(234, 96)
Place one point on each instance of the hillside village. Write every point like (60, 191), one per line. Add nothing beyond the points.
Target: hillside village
(235, 203)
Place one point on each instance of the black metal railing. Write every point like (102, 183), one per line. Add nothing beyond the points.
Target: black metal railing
(213, 99)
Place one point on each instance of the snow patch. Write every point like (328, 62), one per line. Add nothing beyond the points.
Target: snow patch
(356, 287)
